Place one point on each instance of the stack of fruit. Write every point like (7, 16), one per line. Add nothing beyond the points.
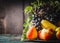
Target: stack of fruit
(44, 20)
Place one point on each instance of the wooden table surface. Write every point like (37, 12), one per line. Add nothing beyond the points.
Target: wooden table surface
(8, 38)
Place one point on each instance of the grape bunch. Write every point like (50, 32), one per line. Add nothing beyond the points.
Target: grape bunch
(48, 12)
(36, 21)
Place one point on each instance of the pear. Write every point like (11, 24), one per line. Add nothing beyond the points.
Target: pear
(31, 33)
(58, 32)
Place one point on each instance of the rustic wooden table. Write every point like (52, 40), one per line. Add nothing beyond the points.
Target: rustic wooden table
(8, 38)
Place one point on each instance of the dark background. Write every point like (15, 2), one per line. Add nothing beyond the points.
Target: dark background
(12, 16)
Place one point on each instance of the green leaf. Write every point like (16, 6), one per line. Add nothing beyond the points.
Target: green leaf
(23, 37)
(24, 25)
(25, 30)
(30, 17)
(28, 9)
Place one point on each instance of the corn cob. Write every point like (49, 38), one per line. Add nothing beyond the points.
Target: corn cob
(46, 24)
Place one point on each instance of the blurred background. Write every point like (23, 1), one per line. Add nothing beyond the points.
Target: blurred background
(12, 16)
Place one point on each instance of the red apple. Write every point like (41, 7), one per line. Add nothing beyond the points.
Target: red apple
(44, 34)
